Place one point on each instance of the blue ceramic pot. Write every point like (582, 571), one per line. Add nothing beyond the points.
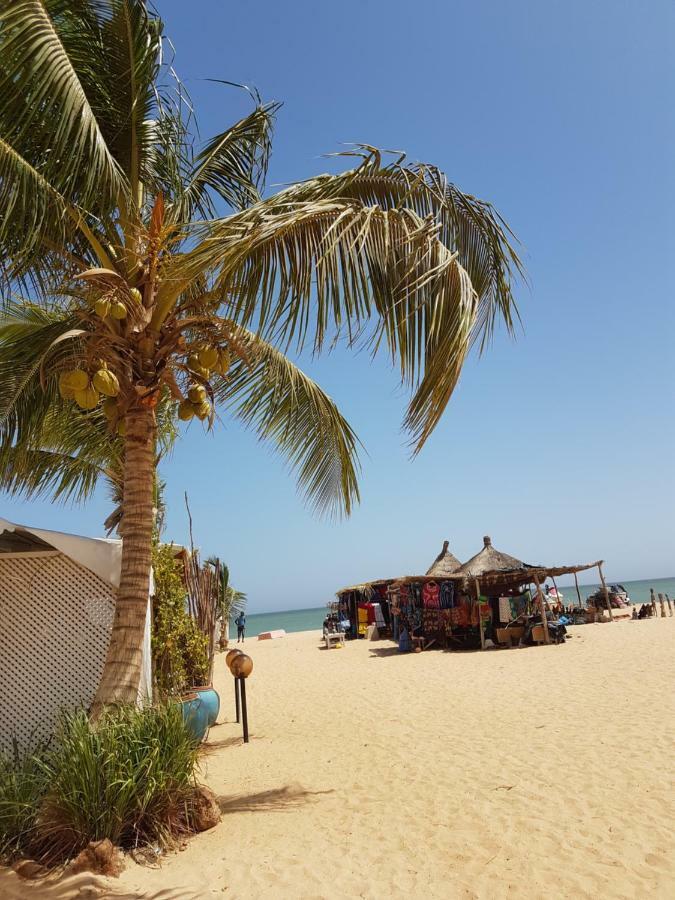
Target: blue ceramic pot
(195, 715)
(211, 700)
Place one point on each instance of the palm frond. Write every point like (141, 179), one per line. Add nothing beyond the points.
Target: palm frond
(48, 473)
(318, 269)
(467, 225)
(232, 165)
(45, 113)
(272, 396)
(28, 333)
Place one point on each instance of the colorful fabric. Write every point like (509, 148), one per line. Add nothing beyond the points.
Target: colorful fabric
(431, 595)
(462, 615)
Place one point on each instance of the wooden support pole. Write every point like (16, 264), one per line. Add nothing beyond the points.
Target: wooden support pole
(605, 592)
(480, 621)
(576, 584)
(663, 607)
(558, 595)
(236, 697)
(670, 608)
(653, 600)
(542, 606)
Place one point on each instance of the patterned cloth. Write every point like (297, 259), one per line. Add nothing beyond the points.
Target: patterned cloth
(431, 595)
(447, 595)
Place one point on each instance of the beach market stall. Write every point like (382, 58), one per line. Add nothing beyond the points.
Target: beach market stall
(57, 601)
(493, 598)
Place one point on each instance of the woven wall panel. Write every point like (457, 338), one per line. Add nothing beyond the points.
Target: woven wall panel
(55, 623)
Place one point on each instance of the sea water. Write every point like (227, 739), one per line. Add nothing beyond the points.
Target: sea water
(312, 619)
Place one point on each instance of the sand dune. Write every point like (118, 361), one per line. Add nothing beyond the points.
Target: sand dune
(544, 772)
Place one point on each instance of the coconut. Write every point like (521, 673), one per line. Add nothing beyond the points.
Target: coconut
(197, 393)
(77, 379)
(208, 356)
(136, 295)
(106, 383)
(110, 409)
(202, 410)
(65, 390)
(185, 411)
(102, 307)
(87, 399)
(118, 310)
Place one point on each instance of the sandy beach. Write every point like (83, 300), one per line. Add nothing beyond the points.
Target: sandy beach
(541, 772)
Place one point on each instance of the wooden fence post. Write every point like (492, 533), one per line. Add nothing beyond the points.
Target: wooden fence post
(653, 600)
(663, 607)
(670, 608)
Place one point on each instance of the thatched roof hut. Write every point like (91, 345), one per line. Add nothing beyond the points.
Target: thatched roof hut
(445, 563)
(490, 560)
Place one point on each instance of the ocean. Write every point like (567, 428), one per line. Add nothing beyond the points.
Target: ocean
(312, 619)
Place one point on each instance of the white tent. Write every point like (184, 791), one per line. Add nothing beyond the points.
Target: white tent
(57, 601)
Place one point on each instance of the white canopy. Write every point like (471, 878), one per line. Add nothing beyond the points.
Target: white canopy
(100, 555)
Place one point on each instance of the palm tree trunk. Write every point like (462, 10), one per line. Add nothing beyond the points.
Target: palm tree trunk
(223, 640)
(122, 671)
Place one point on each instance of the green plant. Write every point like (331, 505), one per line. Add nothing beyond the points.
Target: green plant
(127, 777)
(180, 657)
(23, 783)
(109, 218)
(230, 601)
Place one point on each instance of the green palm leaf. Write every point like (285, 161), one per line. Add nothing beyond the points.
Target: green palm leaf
(284, 407)
(233, 165)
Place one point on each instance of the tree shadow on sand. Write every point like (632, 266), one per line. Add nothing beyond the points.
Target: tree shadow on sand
(58, 886)
(278, 799)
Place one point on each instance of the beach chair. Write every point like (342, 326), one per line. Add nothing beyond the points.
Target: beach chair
(333, 639)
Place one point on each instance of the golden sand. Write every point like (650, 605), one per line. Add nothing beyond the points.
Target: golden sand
(541, 772)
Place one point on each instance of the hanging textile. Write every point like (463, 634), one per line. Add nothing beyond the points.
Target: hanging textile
(379, 616)
(447, 596)
(505, 610)
(431, 595)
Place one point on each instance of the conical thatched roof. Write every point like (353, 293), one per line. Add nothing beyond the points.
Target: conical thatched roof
(489, 560)
(444, 564)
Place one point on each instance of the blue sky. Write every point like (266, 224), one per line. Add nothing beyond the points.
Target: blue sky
(558, 444)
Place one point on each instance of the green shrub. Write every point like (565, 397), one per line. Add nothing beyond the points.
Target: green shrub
(180, 657)
(23, 783)
(128, 777)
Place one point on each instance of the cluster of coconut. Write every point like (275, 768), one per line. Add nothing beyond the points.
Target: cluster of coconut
(109, 304)
(202, 360)
(86, 391)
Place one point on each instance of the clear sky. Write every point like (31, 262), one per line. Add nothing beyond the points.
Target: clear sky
(560, 444)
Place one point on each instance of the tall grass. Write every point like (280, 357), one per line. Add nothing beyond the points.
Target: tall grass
(128, 777)
(23, 782)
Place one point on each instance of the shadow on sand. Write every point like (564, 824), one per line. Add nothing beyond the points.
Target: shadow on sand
(64, 887)
(278, 799)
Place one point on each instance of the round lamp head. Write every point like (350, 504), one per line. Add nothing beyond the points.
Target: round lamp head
(242, 666)
(230, 656)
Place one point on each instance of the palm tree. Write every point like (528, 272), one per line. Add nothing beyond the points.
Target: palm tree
(110, 216)
(230, 600)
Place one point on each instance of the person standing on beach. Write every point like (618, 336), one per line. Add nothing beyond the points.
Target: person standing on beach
(240, 622)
